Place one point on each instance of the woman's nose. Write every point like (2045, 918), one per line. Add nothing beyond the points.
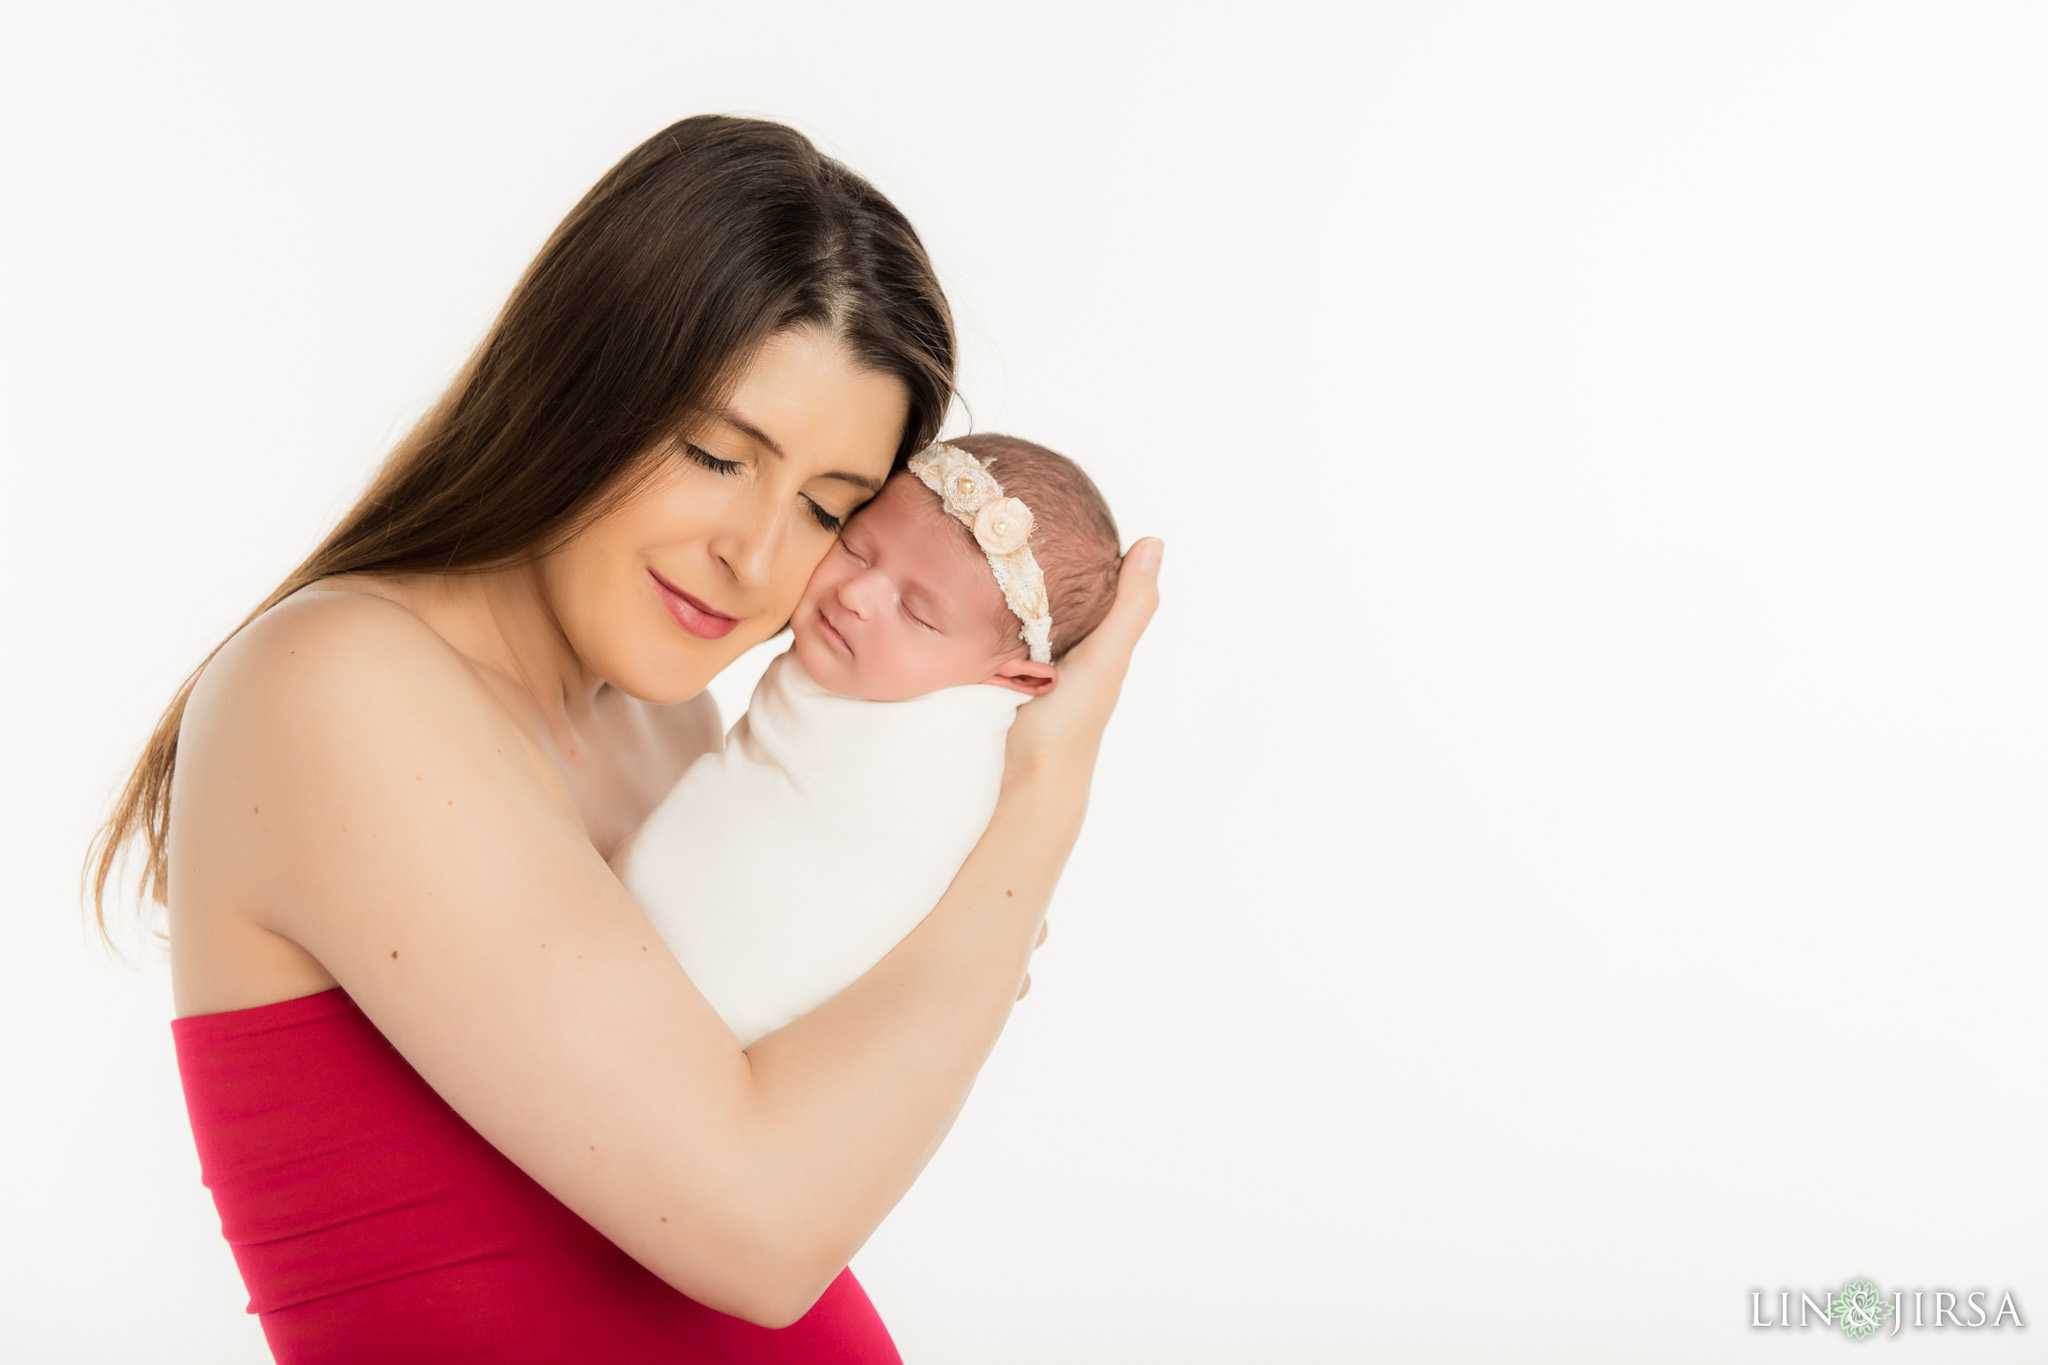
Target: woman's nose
(751, 542)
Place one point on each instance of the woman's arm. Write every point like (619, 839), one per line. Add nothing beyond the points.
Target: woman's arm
(895, 1054)
(347, 782)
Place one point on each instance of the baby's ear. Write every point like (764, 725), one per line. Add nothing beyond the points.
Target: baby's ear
(1023, 675)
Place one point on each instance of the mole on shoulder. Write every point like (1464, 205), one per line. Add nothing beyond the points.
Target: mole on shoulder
(394, 954)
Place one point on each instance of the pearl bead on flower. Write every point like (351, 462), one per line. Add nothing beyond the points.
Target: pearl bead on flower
(1002, 526)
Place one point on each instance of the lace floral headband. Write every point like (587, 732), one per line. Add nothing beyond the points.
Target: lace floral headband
(1001, 527)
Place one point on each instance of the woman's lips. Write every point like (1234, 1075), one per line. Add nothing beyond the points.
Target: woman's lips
(694, 616)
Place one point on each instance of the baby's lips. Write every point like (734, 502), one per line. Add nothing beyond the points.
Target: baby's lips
(826, 623)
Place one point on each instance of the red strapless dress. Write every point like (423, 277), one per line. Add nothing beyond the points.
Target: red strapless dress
(372, 1224)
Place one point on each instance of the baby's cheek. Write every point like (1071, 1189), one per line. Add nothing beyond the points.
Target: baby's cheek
(881, 664)
(898, 669)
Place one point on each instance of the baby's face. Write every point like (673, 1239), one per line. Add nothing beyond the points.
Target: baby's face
(903, 605)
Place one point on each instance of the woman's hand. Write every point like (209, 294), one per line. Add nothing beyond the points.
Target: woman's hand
(1025, 989)
(1061, 731)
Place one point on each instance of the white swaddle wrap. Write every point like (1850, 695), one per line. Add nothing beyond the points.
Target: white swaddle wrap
(784, 866)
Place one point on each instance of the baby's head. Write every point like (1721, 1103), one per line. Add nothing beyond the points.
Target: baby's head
(907, 602)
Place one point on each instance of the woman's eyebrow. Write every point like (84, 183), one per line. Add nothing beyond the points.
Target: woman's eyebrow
(754, 433)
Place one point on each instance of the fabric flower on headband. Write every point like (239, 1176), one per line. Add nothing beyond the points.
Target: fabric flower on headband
(1002, 528)
(962, 482)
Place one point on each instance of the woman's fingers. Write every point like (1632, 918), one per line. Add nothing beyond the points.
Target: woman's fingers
(1063, 727)
(1137, 597)
(1106, 653)
(1025, 989)
(1102, 659)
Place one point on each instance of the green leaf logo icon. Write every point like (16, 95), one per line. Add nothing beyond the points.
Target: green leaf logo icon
(1859, 1308)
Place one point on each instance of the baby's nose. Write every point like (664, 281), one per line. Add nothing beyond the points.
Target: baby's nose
(862, 594)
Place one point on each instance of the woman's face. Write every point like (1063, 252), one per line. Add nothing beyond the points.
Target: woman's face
(709, 558)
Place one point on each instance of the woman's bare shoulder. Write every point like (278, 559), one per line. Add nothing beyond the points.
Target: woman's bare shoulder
(329, 655)
(330, 691)
(303, 758)
(333, 624)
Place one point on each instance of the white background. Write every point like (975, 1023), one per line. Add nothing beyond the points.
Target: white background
(1573, 850)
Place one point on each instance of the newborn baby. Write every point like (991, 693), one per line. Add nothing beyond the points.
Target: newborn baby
(867, 765)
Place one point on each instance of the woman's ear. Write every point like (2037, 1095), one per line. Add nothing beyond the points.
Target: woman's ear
(1023, 675)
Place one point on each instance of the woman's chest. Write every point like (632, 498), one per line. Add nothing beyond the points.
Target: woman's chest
(616, 765)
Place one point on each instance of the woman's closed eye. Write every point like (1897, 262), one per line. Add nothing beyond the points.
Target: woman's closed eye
(829, 521)
(701, 456)
(822, 517)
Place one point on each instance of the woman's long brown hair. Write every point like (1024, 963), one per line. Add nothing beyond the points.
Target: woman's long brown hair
(707, 239)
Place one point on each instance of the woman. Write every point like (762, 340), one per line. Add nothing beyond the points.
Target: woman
(428, 1042)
